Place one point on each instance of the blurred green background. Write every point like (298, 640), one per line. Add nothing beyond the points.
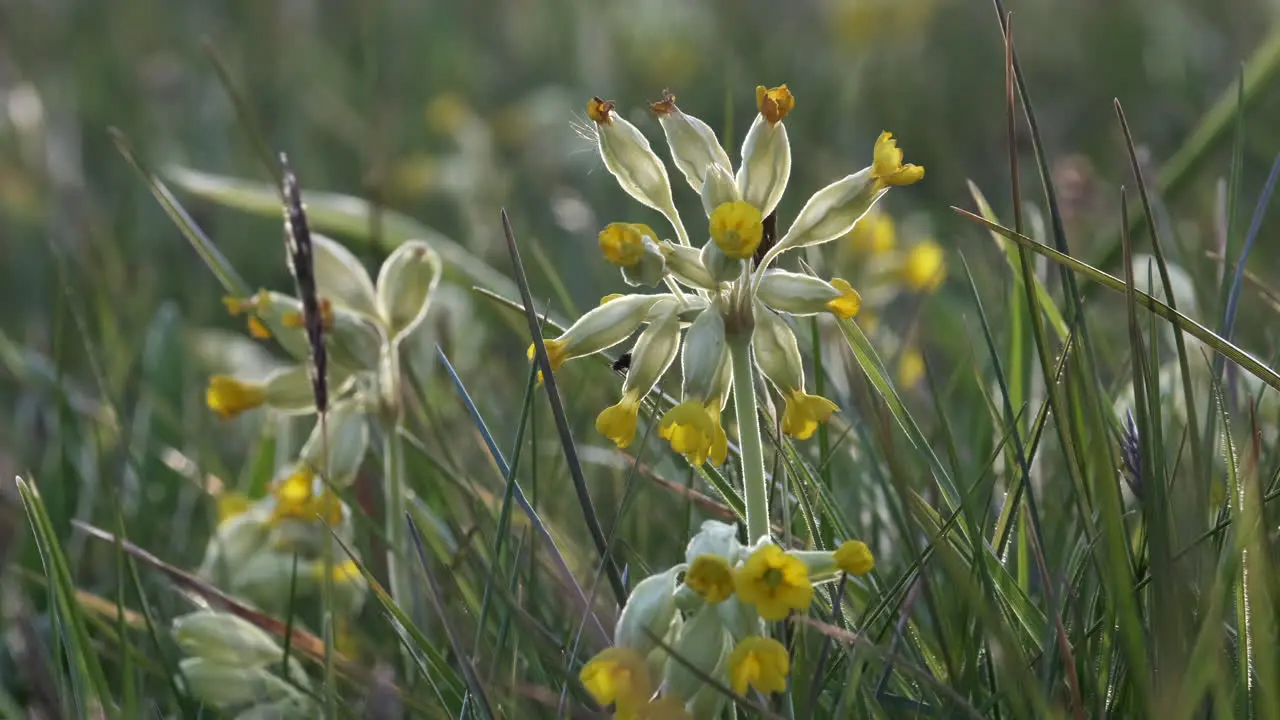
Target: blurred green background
(448, 111)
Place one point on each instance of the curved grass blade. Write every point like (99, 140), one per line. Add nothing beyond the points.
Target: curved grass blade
(343, 215)
(1210, 338)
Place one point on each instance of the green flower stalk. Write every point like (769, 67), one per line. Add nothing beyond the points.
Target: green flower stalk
(726, 297)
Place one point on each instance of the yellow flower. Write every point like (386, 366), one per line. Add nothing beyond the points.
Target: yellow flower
(623, 243)
(736, 228)
(774, 103)
(719, 439)
(294, 318)
(600, 110)
(618, 422)
(774, 582)
(300, 497)
(854, 557)
(886, 164)
(910, 368)
(924, 267)
(691, 430)
(618, 675)
(761, 663)
(849, 302)
(555, 352)
(257, 329)
(229, 397)
(446, 113)
(804, 412)
(874, 234)
(711, 577)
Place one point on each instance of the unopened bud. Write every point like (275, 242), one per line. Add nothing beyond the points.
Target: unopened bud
(685, 263)
(227, 685)
(832, 211)
(704, 346)
(225, 638)
(345, 434)
(341, 277)
(704, 644)
(650, 609)
(628, 156)
(766, 164)
(405, 285)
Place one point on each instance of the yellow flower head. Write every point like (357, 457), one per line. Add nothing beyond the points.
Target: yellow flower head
(719, 439)
(555, 353)
(774, 103)
(910, 368)
(854, 557)
(875, 234)
(774, 582)
(711, 577)
(736, 228)
(849, 302)
(618, 422)
(623, 243)
(691, 430)
(925, 267)
(804, 413)
(229, 397)
(761, 663)
(618, 675)
(886, 164)
(300, 496)
(294, 318)
(600, 110)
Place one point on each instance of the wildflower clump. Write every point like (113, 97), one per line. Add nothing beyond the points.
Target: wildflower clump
(724, 296)
(713, 610)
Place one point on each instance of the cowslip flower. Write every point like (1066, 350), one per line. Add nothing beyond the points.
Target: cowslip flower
(720, 291)
(620, 677)
(854, 557)
(774, 582)
(711, 577)
(761, 663)
(924, 267)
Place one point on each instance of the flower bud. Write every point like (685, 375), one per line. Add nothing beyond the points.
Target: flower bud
(266, 579)
(777, 352)
(704, 644)
(766, 160)
(355, 340)
(602, 327)
(832, 211)
(628, 156)
(225, 638)
(719, 266)
(226, 685)
(651, 608)
(694, 145)
(740, 618)
(289, 390)
(800, 294)
(715, 538)
(704, 346)
(654, 351)
(341, 277)
(346, 440)
(718, 188)
(685, 263)
(405, 285)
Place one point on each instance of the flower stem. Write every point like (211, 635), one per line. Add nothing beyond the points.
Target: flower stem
(749, 440)
(393, 491)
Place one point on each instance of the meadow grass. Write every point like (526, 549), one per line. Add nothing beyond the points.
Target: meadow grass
(1070, 517)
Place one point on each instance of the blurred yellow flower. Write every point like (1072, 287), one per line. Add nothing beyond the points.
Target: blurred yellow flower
(886, 164)
(618, 676)
(300, 496)
(910, 368)
(555, 352)
(736, 228)
(711, 577)
(924, 267)
(774, 582)
(231, 504)
(804, 413)
(229, 397)
(854, 557)
(761, 663)
(445, 113)
(875, 234)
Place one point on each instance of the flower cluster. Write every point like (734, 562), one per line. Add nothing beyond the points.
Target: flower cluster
(257, 543)
(231, 665)
(711, 610)
(728, 291)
